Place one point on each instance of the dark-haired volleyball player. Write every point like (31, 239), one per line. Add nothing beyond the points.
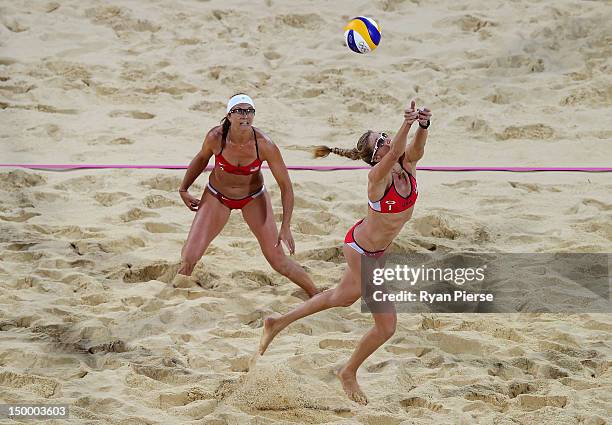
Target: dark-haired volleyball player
(236, 182)
(392, 192)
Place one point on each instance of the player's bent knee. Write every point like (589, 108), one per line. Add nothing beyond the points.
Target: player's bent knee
(344, 299)
(386, 328)
(279, 263)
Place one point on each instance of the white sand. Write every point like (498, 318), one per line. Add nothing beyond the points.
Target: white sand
(86, 313)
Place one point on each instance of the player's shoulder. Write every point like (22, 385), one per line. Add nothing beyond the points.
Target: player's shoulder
(212, 141)
(263, 140)
(215, 132)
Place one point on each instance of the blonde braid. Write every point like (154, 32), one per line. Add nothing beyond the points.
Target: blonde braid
(362, 151)
(347, 153)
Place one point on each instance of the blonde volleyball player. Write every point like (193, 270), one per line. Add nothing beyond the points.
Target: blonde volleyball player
(392, 192)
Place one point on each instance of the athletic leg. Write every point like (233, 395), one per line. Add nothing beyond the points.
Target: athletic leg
(384, 328)
(343, 295)
(207, 223)
(259, 216)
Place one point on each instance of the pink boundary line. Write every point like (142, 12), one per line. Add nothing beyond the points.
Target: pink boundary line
(63, 167)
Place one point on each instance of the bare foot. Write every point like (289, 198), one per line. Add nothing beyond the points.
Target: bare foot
(269, 332)
(351, 387)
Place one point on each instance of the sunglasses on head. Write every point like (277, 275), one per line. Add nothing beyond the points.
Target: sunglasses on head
(240, 111)
(379, 142)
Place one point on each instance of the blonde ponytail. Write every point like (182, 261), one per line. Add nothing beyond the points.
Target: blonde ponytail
(347, 153)
(323, 151)
(362, 151)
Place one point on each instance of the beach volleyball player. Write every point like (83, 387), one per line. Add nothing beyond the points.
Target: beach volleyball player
(236, 183)
(392, 193)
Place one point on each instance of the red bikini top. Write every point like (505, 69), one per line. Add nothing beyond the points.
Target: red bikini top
(243, 170)
(392, 202)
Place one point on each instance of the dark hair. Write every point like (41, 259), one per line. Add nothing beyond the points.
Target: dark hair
(225, 122)
(362, 151)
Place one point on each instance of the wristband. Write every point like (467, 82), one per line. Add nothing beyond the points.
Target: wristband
(424, 127)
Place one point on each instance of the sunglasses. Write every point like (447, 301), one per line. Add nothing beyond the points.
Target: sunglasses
(244, 112)
(379, 142)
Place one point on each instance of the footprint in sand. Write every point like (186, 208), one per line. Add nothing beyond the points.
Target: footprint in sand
(136, 214)
(272, 55)
(19, 179)
(120, 20)
(159, 201)
(116, 346)
(529, 187)
(162, 228)
(377, 367)
(162, 271)
(471, 23)
(490, 394)
(109, 199)
(461, 184)
(39, 107)
(14, 25)
(18, 87)
(207, 106)
(131, 114)
(391, 6)
(253, 319)
(121, 141)
(419, 402)
(517, 388)
(198, 410)
(526, 365)
(115, 246)
(199, 278)
(23, 256)
(337, 344)
(95, 299)
(589, 203)
(534, 402)
(435, 226)
(476, 126)
(89, 184)
(588, 96)
(168, 375)
(165, 183)
(454, 344)
(532, 132)
(505, 96)
(19, 218)
(50, 130)
(319, 223)
(21, 246)
(309, 21)
(42, 387)
(246, 244)
(185, 397)
(602, 206)
(514, 63)
(260, 278)
(333, 254)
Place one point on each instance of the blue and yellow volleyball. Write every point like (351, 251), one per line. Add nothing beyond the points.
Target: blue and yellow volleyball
(362, 34)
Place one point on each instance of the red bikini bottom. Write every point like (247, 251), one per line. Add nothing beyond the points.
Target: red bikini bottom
(350, 241)
(234, 204)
